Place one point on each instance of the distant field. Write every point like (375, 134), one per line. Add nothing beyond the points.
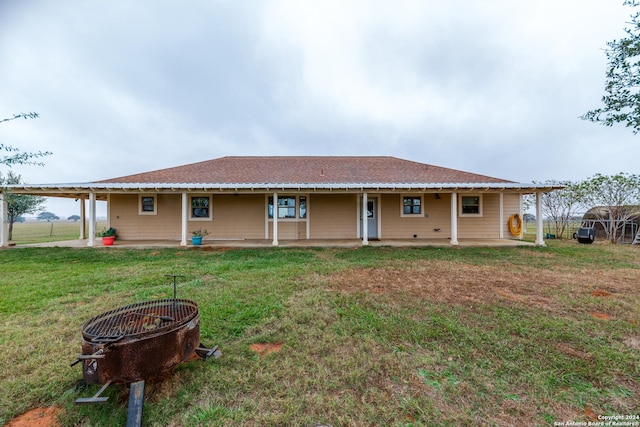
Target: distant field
(41, 231)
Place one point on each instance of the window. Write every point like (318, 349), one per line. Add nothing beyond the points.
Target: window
(147, 204)
(287, 207)
(303, 206)
(200, 207)
(411, 205)
(471, 205)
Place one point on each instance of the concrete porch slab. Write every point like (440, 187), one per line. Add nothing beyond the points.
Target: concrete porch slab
(343, 243)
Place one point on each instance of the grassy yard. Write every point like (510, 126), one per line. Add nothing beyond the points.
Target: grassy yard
(360, 337)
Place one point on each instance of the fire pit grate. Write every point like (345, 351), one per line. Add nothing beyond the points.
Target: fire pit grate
(137, 320)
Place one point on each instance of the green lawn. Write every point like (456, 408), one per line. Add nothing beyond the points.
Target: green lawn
(368, 336)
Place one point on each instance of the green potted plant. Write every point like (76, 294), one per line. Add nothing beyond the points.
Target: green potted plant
(108, 236)
(197, 235)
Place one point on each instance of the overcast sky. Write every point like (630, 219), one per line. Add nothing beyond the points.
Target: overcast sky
(492, 87)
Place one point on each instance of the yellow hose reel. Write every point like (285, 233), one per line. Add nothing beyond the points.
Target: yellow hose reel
(515, 225)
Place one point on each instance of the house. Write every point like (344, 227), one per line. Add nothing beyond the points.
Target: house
(298, 197)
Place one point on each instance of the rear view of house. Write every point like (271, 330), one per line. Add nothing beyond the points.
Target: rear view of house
(291, 198)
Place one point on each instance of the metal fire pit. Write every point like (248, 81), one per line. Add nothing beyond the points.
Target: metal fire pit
(132, 343)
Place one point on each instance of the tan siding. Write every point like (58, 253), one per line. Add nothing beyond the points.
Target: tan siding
(130, 225)
(486, 226)
(436, 215)
(287, 230)
(235, 217)
(333, 216)
(511, 206)
(302, 230)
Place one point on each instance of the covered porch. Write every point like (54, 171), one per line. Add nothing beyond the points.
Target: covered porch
(274, 237)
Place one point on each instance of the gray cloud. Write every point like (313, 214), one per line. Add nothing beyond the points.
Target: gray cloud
(489, 87)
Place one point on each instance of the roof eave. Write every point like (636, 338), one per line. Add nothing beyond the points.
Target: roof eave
(79, 188)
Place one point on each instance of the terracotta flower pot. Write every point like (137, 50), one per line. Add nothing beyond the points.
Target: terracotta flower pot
(108, 240)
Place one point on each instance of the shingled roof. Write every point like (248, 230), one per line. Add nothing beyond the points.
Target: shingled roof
(314, 173)
(306, 170)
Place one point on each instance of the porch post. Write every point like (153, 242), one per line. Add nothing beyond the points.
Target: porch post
(454, 218)
(83, 220)
(501, 235)
(184, 220)
(4, 210)
(365, 219)
(92, 219)
(539, 239)
(275, 219)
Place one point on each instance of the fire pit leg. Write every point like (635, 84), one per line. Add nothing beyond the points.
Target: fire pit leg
(136, 403)
(205, 353)
(96, 397)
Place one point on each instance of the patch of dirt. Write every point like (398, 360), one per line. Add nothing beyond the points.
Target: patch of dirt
(589, 412)
(202, 248)
(633, 343)
(600, 316)
(451, 283)
(600, 293)
(38, 417)
(265, 348)
(465, 284)
(564, 348)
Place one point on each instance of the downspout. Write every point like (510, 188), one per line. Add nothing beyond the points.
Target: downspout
(275, 219)
(184, 221)
(454, 218)
(365, 219)
(539, 239)
(92, 219)
(4, 230)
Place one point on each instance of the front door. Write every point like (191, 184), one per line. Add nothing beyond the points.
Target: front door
(372, 219)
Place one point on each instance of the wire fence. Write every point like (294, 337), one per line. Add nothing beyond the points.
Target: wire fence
(42, 231)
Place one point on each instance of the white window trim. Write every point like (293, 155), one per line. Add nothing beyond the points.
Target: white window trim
(286, 195)
(479, 214)
(414, 196)
(155, 204)
(190, 206)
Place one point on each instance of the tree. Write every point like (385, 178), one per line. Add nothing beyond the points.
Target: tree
(19, 204)
(617, 196)
(74, 218)
(47, 216)
(558, 206)
(622, 83)
(17, 157)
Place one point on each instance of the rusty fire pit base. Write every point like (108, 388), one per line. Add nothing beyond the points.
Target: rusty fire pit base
(136, 390)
